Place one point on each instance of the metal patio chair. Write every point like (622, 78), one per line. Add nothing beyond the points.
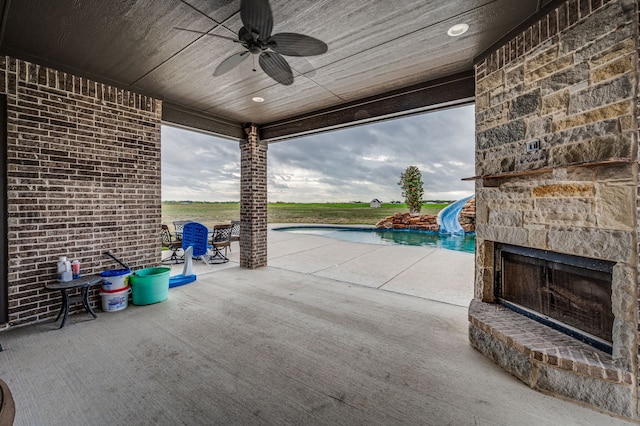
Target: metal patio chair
(221, 239)
(178, 225)
(169, 242)
(235, 231)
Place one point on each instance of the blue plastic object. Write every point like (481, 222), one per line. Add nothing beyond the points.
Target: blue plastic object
(196, 235)
(448, 217)
(195, 238)
(178, 280)
(115, 273)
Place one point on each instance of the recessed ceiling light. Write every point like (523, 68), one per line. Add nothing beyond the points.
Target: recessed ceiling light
(458, 30)
(257, 99)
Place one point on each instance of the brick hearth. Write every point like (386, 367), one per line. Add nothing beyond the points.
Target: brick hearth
(541, 357)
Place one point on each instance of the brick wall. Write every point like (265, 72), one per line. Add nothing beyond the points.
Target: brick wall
(253, 201)
(568, 84)
(83, 177)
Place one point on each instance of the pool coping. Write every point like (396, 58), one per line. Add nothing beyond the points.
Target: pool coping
(280, 227)
(372, 229)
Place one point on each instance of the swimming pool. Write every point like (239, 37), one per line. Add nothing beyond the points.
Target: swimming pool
(463, 242)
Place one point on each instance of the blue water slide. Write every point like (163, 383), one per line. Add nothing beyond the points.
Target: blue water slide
(448, 217)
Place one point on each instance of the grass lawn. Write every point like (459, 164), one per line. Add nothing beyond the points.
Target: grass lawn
(327, 213)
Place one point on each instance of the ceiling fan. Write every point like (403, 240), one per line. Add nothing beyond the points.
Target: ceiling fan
(255, 36)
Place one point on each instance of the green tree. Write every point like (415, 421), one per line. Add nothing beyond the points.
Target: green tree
(412, 191)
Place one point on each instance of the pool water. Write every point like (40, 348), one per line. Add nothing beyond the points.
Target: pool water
(463, 242)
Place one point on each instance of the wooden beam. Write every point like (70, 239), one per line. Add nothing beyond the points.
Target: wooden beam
(456, 90)
(184, 117)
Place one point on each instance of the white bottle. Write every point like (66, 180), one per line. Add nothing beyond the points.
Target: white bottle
(64, 270)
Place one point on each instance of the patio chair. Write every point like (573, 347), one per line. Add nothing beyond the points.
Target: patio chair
(170, 243)
(178, 225)
(235, 231)
(221, 239)
(196, 235)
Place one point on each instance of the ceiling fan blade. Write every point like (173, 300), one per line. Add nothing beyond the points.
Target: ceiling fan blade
(207, 34)
(292, 44)
(276, 67)
(257, 17)
(230, 63)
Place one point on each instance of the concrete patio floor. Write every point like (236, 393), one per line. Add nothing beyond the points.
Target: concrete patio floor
(330, 333)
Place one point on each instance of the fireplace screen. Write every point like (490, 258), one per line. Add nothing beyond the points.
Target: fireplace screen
(569, 290)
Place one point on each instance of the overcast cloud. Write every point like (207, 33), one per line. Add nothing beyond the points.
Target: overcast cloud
(356, 164)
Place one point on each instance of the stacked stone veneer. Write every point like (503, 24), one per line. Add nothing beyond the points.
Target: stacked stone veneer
(83, 177)
(567, 83)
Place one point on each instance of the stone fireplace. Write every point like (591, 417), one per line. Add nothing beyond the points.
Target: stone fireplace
(571, 294)
(556, 291)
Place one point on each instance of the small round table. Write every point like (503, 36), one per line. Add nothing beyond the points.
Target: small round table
(83, 283)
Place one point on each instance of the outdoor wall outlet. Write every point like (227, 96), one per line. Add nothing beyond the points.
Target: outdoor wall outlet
(533, 146)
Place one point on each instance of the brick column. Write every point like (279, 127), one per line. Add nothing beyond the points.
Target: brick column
(253, 200)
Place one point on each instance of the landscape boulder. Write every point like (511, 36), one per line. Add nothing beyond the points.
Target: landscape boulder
(427, 222)
(423, 222)
(467, 216)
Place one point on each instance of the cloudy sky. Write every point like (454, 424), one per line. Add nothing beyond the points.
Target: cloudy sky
(356, 164)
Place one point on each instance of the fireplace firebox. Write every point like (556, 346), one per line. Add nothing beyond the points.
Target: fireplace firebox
(569, 293)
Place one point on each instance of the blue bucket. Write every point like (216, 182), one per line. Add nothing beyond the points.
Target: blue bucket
(115, 279)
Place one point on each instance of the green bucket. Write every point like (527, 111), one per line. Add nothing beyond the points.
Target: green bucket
(150, 285)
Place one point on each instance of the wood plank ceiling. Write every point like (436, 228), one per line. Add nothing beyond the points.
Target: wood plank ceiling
(376, 47)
